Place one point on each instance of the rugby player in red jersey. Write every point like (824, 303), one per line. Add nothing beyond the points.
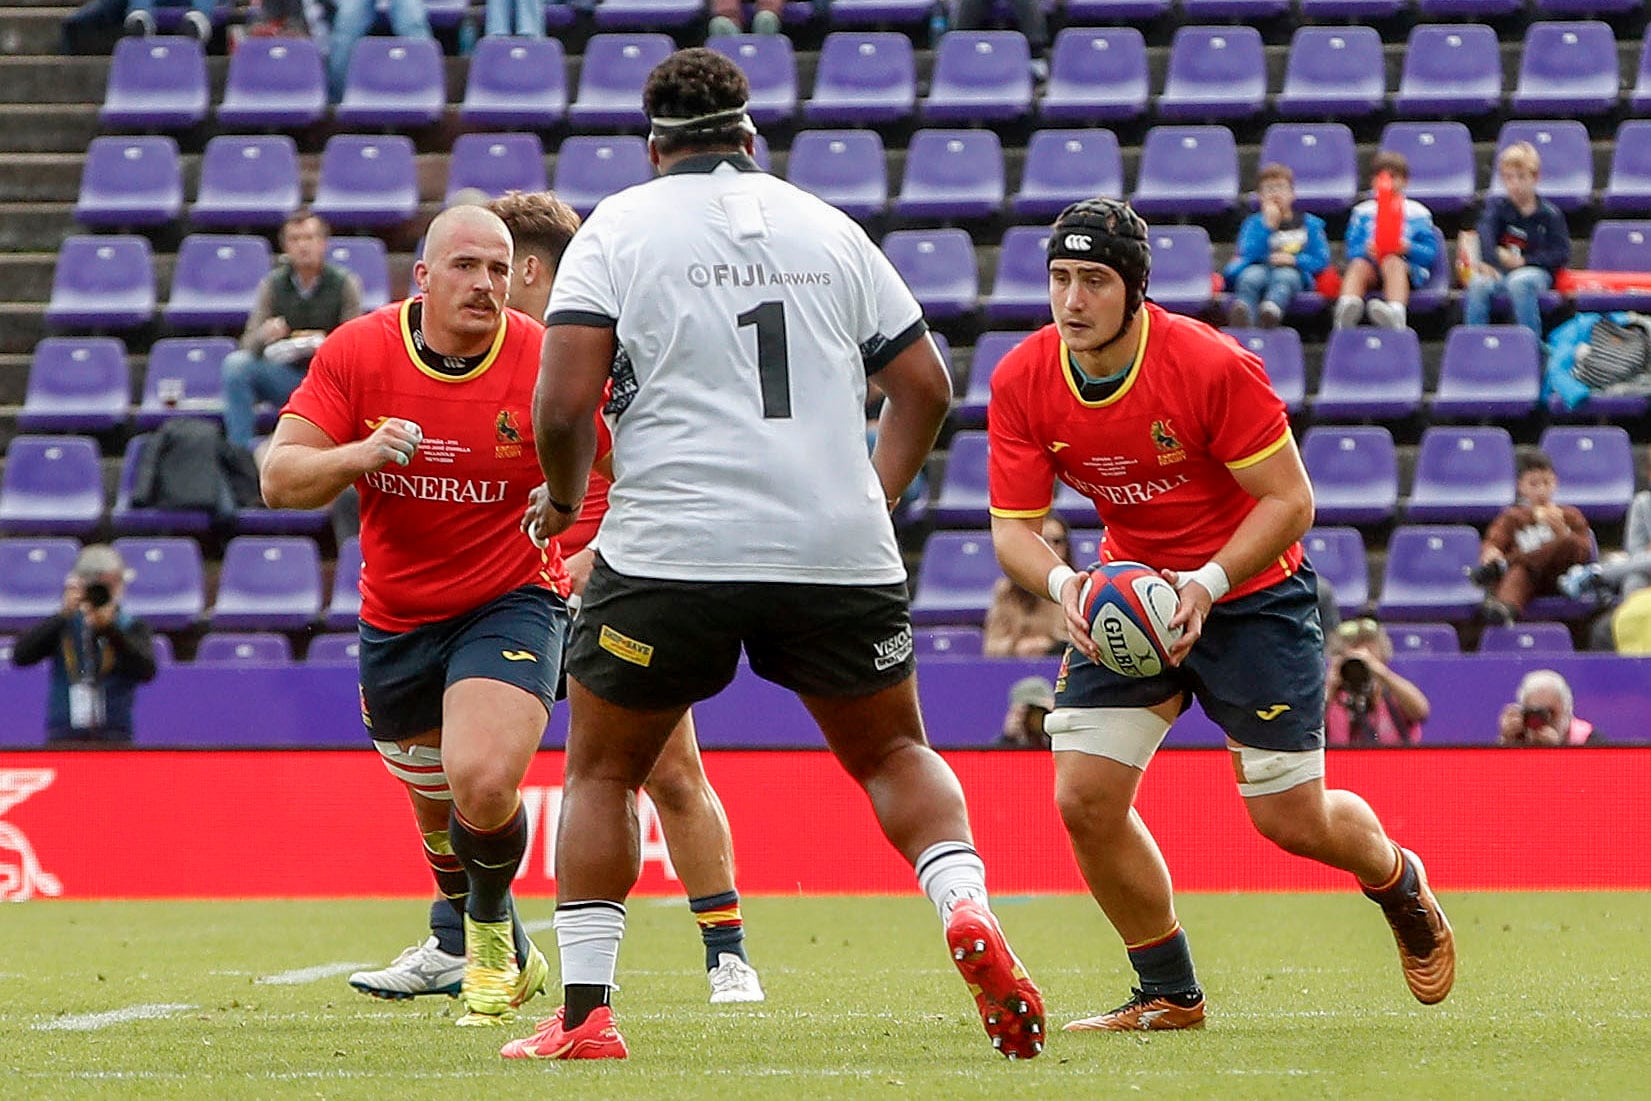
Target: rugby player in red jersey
(424, 406)
(1174, 433)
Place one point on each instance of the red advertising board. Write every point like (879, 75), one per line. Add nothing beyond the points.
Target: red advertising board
(105, 825)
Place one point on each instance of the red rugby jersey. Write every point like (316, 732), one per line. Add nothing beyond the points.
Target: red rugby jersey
(439, 536)
(1156, 457)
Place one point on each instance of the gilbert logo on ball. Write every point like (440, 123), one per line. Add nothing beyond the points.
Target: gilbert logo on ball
(1129, 608)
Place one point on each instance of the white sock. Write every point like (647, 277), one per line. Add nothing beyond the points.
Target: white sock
(949, 871)
(1398, 309)
(588, 934)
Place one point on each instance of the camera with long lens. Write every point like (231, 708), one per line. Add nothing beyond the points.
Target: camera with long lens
(1358, 685)
(98, 594)
(1537, 717)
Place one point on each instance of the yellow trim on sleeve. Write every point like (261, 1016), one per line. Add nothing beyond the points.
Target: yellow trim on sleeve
(1265, 453)
(418, 361)
(1067, 369)
(309, 422)
(1021, 514)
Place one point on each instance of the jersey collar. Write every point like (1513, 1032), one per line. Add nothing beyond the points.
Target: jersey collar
(1129, 378)
(403, 323)
(704, 163)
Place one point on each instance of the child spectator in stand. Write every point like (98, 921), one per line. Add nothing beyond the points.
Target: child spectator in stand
(523, 18)
(1280, 252)
(1523, 240)
(1019, 624)
(1395, 267)
(726, 17)
(1531, 543)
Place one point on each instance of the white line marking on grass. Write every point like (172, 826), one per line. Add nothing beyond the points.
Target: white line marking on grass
(87, 1022)
(304, 975)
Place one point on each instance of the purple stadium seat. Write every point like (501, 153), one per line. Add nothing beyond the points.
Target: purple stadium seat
(274, 82)
(1639, 100)
(1423, 638)
(1567, 160)
(1450, 69)
(1350, 9)
(1187, 170)
(103, 282)
(954, 581)
(183, 378)
(1244, 10)
(1370, 372)
(396, 82)
(1355, 474)
(1585, 7)
(1095, 74)
(1322, 157)
(367, 181)
(129, 520)
(939, 267)
(770, 66)
(611, 77)
(877, 13)
(345, 606)
(31, 579)
(269, 583)
(1426, 576)
(948, 642)
(1595, 467)
(1063, 166)
(1628, 191)
(589, 169)
(952, 174)
(335, 649)
(216, 281)
(1463, 474)
(155, 84)
(1182, 264)
(259, 520)
(1281, 354)
(846, 168)
(1617, 246)
(1441, 162)
(963, 498)
(243, 648)
(1337, 555)
(76, 386)
(648, 15)
(1488, 371)
(52, 486)
(980, 76)
(1468, 8)
(863, 79)
(369, 260)
(247, 182)
(1333, 72)
(1214, 73)
(516, 83)
(496, 163)
(1085, 547)
(989, 349)
(1020, 286)
(1567, 69)
(1526, 638)
(167, 587)
(1434, 294)
(130, 182)
(1087, 12)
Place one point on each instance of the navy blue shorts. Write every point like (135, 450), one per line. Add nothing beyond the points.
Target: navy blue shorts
(1258, 669)
(516, 638)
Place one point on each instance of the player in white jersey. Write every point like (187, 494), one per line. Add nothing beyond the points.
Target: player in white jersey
(744, 513)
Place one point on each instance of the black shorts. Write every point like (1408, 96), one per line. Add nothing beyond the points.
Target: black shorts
(517, 638)
(1258, 669)
(649, 644)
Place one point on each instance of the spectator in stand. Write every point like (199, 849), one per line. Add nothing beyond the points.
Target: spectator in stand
(299, 302)
(1524, 242)
(1030, 701)
(197, 21)
(1619, 581)
(726, 17)
(350, 22)
(1531, 543)
(1030, 20)
(99, 652)
(1020, 624)
(1395, 266)
(1543, 713)
(523, 18)
(1366, 702)
(1280, 253)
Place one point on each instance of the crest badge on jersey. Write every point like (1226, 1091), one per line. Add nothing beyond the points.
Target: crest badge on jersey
(507, 435)
(1164, 439)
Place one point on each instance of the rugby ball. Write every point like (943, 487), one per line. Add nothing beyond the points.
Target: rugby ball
(1129, 606)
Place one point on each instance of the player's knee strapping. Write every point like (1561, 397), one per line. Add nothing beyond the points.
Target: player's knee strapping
(1270, 771)
(417, 766)
(1128, 735)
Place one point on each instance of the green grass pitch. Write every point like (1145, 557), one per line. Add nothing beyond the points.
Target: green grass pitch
(1553, 1000)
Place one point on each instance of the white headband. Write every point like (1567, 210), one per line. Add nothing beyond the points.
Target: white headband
(668, 127)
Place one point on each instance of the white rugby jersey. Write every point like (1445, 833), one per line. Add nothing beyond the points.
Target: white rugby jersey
(751, 314)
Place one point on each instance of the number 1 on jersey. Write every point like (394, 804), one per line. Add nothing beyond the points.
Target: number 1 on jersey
(773, 357)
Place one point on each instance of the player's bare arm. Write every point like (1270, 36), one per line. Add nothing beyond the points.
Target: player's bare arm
(573, 369)
(919, 392)
(1032, 564)
(306, 468)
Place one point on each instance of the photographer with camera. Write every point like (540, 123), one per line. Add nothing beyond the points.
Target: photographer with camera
(1367, 703)
(1543, 713)
(99, 652)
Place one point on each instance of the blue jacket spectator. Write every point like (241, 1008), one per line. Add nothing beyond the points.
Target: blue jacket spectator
(1394, 273)
(1280, 252)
